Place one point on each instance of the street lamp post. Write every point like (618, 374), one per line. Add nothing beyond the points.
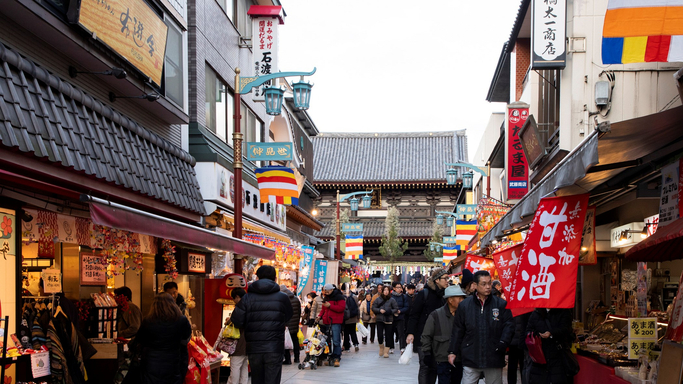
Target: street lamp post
(367, 200)
(484, 171)
(273, 96)
(449, 219)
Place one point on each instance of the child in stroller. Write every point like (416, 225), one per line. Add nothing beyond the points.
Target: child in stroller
(315, 348)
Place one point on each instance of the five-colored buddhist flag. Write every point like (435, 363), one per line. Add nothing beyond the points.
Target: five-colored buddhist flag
(637, 31)
(464, 231)
(449, 253)
(354, 247)
(277, 184)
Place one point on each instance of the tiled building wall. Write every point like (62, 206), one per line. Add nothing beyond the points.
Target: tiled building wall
(523, 55)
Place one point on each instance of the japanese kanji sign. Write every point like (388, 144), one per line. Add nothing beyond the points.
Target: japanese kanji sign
(506, 264)
(668, 204)
(319, 277)
(304, 268)
(548, 34)
(642, 335)
(466, 209)
(352, 227)
(52, 280)
(265, 59)
(517, 167)
(588, 254)
(131, 29)
(476, 263)
(546, 270)
(196, 262)
(93, 270)
(270, 151)
(449, 239)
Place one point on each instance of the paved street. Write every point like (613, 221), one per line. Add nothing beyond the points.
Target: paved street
(364, 366)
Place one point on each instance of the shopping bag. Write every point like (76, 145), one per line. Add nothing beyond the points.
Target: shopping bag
(231, 332)
(406, 355)
(300, 336)
(288, 340)
(533, 344)
(362, 330)
(226, 345)
(309, 332)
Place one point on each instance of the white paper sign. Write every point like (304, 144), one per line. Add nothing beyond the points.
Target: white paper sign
(67, 229)
(40, 364)
(264, 38)
(196, 262)
(668, 204)
(52, 280)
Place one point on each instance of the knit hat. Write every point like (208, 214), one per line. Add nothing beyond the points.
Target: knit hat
(467, 278)
(453, 290)
(437, 273)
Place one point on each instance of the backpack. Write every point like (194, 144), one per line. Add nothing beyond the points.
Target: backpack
(353, 307)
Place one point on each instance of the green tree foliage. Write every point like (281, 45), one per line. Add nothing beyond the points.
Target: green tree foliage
(437, 237)
(392, 246)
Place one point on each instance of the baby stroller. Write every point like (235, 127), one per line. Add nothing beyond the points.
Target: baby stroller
(316, 347)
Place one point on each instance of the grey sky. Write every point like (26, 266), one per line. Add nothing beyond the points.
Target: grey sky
(385, 66)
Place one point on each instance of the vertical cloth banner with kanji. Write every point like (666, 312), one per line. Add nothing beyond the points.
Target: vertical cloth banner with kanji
(546, 273)
(517, 167)
(476, 263)
(304, 268)
(588, 254)
(319, 277)
(506, 264)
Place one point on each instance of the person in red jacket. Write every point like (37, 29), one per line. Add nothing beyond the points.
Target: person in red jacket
(332, 314)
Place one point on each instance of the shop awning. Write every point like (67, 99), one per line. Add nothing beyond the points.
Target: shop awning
(666, 244)
(594, 164)
(248, 225)
(130, 219)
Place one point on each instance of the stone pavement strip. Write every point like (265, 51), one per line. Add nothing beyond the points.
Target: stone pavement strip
(364, 366)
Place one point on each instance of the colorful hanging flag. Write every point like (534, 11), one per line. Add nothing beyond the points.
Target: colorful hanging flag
(637, 31)
(277, 184)
(449, 253)
(476, 263)
(547, 267)
(506, 264)
(354, 247)
(464, 232)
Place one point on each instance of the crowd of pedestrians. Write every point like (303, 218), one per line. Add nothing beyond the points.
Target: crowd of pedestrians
(460, 333)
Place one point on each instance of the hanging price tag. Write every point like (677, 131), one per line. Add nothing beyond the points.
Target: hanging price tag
(40, 364)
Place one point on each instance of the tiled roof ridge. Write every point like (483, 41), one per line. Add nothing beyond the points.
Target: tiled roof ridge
(43, 75)
(379, 135)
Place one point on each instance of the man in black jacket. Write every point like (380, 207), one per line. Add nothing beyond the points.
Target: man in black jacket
(263, 314)
(482, 331)
(426, 301)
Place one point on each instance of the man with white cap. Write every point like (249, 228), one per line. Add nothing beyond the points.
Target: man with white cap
(436, 338)
(332, 314)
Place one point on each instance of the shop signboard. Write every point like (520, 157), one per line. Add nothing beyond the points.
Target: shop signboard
(304, 268)
(517, 167)
(130, 28)
(319, 277)
(642, 335)
(466, 210)
(52, 280)
(265, 44)
(548, 34)
(270, 151)
(651, 222)
(196, 262)
(93, 270)
(8, 230)
(476, 263)
(547, 268)
(352, 227)
(668, 204)
(449, 239)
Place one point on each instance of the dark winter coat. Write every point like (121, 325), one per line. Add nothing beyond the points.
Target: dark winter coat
(263, 313)
(334, 314)
(426, 302)
(411, 303)
(293, 323)
(164, 351)
(389, 306)
(436, 336)
(482, 334)
(403, 304)
(559, 323)
(521, 322)
(352, 305)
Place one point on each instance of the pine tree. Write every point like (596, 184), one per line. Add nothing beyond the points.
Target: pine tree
(437, 237)
(392, 246)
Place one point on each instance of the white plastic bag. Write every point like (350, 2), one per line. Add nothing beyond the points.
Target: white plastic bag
(288, 340)
(362, 329)
(407, 355)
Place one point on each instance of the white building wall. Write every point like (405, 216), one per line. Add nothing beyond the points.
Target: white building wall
(482, 154)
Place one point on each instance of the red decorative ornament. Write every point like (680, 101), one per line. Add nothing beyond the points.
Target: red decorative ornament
(169, 259)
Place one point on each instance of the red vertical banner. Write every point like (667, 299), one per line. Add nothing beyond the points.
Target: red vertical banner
(547, 267)
(506, 264)
(476, 263)
(675, 330)
(517, 166)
